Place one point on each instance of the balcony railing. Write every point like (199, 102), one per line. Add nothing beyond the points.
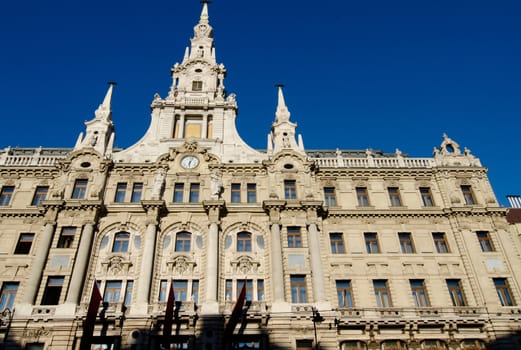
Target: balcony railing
(32, 156)
(370, 162)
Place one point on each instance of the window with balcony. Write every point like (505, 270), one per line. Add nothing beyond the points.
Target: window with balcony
(248, 288)
(468, 195)
(294, 237)
(337, 243)
(329, 197)
(503, 292)
(183, 242)
(419, 293)
(179, 189)
(290, 189)
(456, 292)
(194, 193)
(180, 290)
(485, 242)
(112, 292)
(371, 242)
(67, 236)
(40, 194)
(121, 191)
(137, 192)
(6, 194)
(344, 293)
(426, 195)
(382, 293)
(440, 242)
(362, 196)
(8, 295)
(197, 85)
(406, 243)
(298, 289)
(236, 193)
(79, 191)
(251, 193)
(25, 241)
(244, 242)
(53, 290)
(121, 242)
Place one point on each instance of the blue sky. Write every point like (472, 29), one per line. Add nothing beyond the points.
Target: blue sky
(374, 74)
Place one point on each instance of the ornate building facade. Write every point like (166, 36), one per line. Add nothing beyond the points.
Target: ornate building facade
(335, 249)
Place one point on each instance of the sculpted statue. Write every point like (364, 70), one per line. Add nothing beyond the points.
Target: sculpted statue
(216, 185)
(159, 182)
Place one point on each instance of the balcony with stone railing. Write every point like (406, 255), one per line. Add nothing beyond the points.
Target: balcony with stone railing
(369, 161)
(32, 156)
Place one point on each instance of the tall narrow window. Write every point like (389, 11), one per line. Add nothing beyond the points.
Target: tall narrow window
(5, 195)
(79, 190)
(25, 241)
(382, 293)
(180, 290)
(137, 191)
(468, 195)
(371, 242)
(40, 194)
(294, 237)
(456, 292)
(249, 288)
(440, 242)
(290, 189)
(362, 197)
(344, 292)
(228, 290)
(197, 85)
(337, 243)
(121, 191)
(298, 289)
(128, 293)
(394, 196)
(426, 195)
(419, 293)
(503, 292)
(251, 193)
(112, 292)
(195, 291)
(484, 241)
(194, 193)
(329, 197)
(236, 193)
(183, 241)
(67, 235)
(8, 295)
(179, 189)
(406, 243)
(244, 242)
(164, 289)
(121, 241)
(260, 290)
(53, 290)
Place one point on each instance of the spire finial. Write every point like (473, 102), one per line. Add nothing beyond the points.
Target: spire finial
(108, 96)
(204, 13)
(282, 113)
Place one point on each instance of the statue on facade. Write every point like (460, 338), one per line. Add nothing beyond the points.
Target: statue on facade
(216, 185)
(159, 182)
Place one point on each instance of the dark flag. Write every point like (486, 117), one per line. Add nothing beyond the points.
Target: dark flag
(169, 318)
(236, 313)
(90, 320)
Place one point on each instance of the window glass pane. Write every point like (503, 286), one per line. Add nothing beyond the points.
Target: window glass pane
(40, 195)
(252, 193)
(80, 189)
(8, 295)
(236, 193)
(183, 242)
(329, 197)
(406, 242)
(66, 237)
(362, 196)
(244, 242)
(178, 192)
(298, 289)
(52, 292)
(337, 243)
(180, 290)
(194, 193)
(344, 293)
(290, 189)
(121, 190)
(24, 244)
(137, 191)
(112, 292)
(426, 195)
(294, 237)
(121, 241)
(371, 242)
(5, 195)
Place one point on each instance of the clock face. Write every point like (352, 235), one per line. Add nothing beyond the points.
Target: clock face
(189, 162)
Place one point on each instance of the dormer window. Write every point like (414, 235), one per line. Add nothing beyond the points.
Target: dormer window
(197, 85)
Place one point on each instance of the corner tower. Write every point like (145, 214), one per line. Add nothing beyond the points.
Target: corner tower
(197, 107)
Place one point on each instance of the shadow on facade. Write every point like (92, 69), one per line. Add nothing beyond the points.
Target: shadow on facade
(510, 342)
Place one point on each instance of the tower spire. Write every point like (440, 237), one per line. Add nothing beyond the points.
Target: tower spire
(204, 12)
(282, 114)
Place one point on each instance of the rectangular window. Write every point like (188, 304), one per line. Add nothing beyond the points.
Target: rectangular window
(484, 241)
(337, 243)
(53, 290)
(163, 291)
(194, 193)
(179, 189)
(128, 293)
(121, 190)
(394, 196)
(228, 290)
(260, 290)
(344, 292)
(8, 295)
(290, 189)
(329, 197)
(362, 196)
(80, 189)
(244, 242)
(440, 242)
(406, 242)
(197, 85)
(503, 292)
(251, 193)
(112, 292)
(180, 290)
(25, 241)
(371, 242)
(426, 195)
(5, 195)
(298, 289)
(456, 292)
(419, 293)
(66, 239)
(40, 194)
(468, 196)
(249, 289)
(195, 291)
(294, 237)
(236, 193)
(304, 344)
(382, 293)
(183, 242)
(137, 191)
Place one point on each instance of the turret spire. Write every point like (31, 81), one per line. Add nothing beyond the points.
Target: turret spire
(282, 114)
(204, 13)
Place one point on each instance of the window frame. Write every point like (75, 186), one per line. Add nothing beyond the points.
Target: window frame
(137, 192)
(503, 291)
(426, 196)
(183, 242)
(344, 291)
(485, 241)
(8, 294)
(235, 193)
(362, 197)
(336, 241)
(40, 194)
(419, 293)
(79, 190)
(382, 293)
(197, 85)
(53, 290)
(330, 196)
(294, 236)
(251, 193)
(372, 245)
(113, 291)
(440, 242)
(395, 198)
(290, 189)
(244, 242)
(67, 236)
(406, 243)
(121, 243)
(121, 192)
(195, 188)
(468, 195)
(298, 289)
(456, 293)
(24, 243)
(6, 196)
(179, 190)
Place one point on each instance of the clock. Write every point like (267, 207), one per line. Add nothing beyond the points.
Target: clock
(189, 162)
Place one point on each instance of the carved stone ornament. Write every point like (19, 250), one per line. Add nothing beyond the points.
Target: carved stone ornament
(116, 265)
(245, 265)
(181, 265)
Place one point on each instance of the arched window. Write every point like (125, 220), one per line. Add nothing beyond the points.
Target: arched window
(393, 345)
(244, 242)
(353, 345)
(121, 241)
(183, 241)
(473, 344)
(433, 344)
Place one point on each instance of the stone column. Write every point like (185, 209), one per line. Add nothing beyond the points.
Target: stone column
(80, 265)
(181, 127)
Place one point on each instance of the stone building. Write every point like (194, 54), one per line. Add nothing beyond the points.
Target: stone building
(337, 249)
